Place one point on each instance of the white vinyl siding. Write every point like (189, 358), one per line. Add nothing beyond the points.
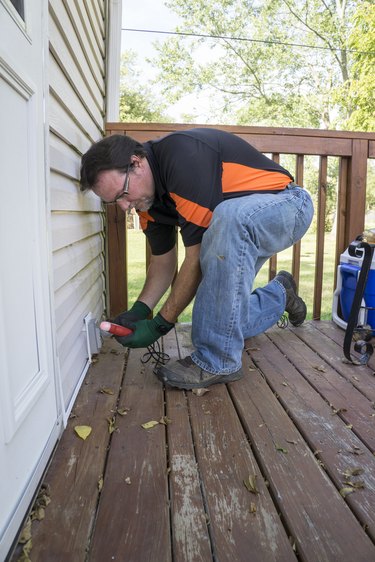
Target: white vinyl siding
(76, 74)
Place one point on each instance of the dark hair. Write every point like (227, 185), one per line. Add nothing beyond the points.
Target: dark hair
(111, 153)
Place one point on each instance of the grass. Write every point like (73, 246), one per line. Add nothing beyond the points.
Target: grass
(137, 271)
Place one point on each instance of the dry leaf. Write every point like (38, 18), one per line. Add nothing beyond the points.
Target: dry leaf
(105, 390)
(83, 431)
(319, 368)
(281, 449)
(111, 424)
(346, 491)
(200, 391)
(150, 424)
(100, 483)
(253, 508)
(250, 484)
(165, 420)
(353, 471)
(122, 411)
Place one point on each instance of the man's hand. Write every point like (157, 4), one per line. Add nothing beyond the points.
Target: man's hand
(139, 311)
(145, 332)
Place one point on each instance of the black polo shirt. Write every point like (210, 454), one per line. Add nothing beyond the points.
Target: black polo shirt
(195, 170)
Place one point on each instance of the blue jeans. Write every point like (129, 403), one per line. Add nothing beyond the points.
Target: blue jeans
(243, 234)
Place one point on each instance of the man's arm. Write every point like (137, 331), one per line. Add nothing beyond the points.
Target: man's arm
(159, 277)
(185, 285)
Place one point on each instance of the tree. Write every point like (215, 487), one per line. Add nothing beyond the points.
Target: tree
(361, 91)
(137, 103)
(273, 62)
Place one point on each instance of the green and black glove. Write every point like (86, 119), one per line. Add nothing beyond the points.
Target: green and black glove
(139, 311)
(145, 332)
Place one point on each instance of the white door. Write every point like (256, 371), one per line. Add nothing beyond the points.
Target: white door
(28, 403)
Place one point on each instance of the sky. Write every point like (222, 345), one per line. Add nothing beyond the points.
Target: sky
(154, 15)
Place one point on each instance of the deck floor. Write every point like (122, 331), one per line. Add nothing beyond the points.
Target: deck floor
(279, 466)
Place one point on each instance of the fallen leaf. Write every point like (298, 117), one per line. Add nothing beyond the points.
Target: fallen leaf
(250, 484)
(285, 384)
(26, 532)
(338, 411)
(353, 471)
(165, 420)
(111, 424)
(346, 491)
(356, 485)
(122, 411)
(253, 508)
(83, 431)
(150, 424)
(319, 368)
(349, 426)
(100, 483)
(200, 391)
(281, 449)
(105, 390)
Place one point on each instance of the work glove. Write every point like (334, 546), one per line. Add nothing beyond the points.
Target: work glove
(139, 311)
(145, 332)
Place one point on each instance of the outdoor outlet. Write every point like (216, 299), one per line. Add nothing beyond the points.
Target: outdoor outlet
(92, 335)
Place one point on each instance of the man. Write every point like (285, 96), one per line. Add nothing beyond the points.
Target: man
(235, 208)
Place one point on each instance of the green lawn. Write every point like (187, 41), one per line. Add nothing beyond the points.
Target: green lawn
(136, 270)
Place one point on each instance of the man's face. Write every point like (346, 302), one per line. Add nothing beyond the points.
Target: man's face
(133, 189)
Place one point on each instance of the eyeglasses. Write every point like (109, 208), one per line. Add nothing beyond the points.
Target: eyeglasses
(124, 192)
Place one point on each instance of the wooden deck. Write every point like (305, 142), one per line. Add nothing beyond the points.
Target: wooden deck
(279, 466)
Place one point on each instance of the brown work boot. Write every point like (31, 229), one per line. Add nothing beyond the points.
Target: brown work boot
(294, 306)
(185, 374)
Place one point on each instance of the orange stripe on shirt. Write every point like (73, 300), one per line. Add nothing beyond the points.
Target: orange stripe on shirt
(237, 177)
(144, 218)
(192, 212)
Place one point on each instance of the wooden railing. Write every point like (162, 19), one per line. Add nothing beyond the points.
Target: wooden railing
(352, 150)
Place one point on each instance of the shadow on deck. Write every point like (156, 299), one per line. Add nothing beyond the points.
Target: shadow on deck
(276, 467)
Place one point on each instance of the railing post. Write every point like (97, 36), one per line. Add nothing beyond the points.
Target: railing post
(117, 279)
(356, 192)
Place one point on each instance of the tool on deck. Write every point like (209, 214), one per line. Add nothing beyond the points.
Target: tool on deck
(358, 328)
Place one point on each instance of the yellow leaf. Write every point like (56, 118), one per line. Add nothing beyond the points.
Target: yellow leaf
(165, 420)
(111, 424)
(122, 411)
(150, 424)
(253, 508)
(83, 431)
(346, 491)
(250, 484)
(100, 483)
(105, 390)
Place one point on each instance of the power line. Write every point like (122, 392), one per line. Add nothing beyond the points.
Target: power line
(268, 42)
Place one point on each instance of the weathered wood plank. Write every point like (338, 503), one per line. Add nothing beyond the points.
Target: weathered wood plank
(225, 460)
(335, 444)
(191, 541)
(73, 476)
(133, 514)
(344, 399)
(361, 377)
(298, 483)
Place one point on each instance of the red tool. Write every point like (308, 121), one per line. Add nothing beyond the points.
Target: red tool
(115, 329)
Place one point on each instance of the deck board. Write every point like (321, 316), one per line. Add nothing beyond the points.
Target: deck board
(297, 423)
